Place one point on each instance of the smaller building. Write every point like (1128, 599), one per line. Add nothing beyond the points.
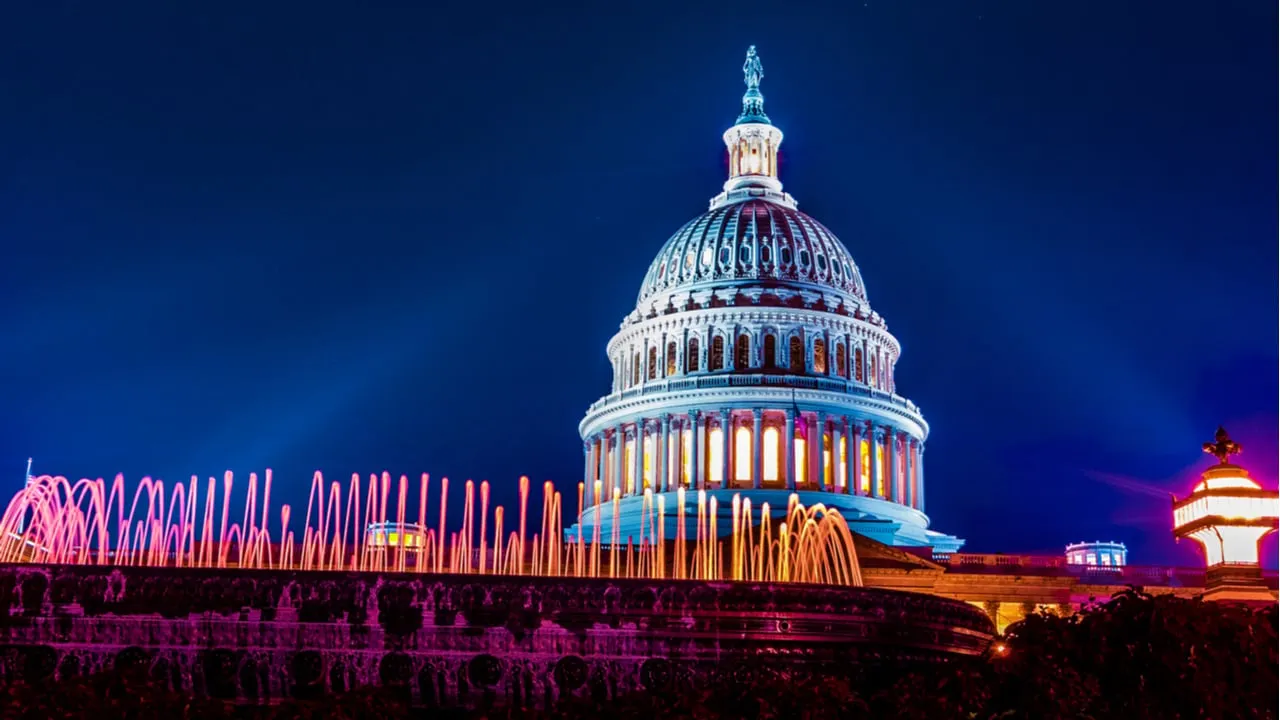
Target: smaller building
(393, 534)
(1097, 554)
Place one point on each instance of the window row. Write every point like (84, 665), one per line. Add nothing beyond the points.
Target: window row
(870, 367)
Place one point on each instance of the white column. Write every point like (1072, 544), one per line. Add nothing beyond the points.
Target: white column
(619, 464)
(920, 476)
(789, 450)
(820, 423)
(662, 462)
(856, 454)
(637, 460)
(696, 475)
(912, 497)
(877, 461)
(850, 466)
(757, 446)
(726, 431)
(586, 470)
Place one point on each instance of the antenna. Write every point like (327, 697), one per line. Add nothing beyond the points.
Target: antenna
(29, 479)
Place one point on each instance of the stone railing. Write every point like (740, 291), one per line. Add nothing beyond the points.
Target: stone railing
(1152, 575)
(731, 379)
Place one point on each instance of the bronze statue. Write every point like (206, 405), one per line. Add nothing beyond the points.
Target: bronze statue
(1222, 446)
(752, 70)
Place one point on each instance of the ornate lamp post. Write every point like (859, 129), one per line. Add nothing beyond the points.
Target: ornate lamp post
(1228, 514)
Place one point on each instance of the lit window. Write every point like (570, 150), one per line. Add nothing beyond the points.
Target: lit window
(628, 467)
(650, 453)
(742, 353)
(800, 461)
(769, 453)
(715, 456)
(742, 455)
(857, 364)
(707, 254)
(653, 363)
(717, 353)
(1106, 559)
(1092, 558)
(844, 463)
(796, 361)
(866, 466)
(687, 454)
(635, 369)
(671, 358)
(820, 357)
(841, 369)
(691, 356)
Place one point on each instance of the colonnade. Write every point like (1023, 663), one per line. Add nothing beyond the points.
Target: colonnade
(745, 449)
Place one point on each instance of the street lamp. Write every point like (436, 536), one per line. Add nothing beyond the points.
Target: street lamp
(1228, 514)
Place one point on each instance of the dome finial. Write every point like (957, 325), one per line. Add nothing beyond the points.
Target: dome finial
(752, 100)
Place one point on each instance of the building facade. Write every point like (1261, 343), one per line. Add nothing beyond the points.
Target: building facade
(753, 363)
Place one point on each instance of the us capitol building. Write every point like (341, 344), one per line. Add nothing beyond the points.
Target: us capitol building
(754, 364)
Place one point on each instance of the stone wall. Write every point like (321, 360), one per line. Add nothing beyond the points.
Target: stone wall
(456, 639)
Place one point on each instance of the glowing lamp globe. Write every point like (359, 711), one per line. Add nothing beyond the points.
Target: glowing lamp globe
(1227, 512)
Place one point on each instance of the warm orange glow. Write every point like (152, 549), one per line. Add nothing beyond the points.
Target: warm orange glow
(687, 457)
(800, 460)
(742, 455)
(715, 456)
(842, 473)
(865, 474)
(770, 454)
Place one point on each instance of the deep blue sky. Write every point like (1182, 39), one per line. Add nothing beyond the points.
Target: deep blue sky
(301, 236)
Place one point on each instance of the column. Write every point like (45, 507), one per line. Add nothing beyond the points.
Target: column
(850, 456)
(663, 461)
(789, 450)
(911, 471)
(757, 447)
(586, 471)
(602, 453)
(856, 430)
(695, 456)
(920, 476)
(726, 433)
(877, 460)
(619, 458)
(637, 460)
(896, 469)
(811, 450)
(820, 422)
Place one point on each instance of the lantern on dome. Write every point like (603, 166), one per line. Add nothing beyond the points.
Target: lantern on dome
(1228, 513)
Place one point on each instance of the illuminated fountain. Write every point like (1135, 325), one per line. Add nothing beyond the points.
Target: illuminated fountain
(494, 611)
(1228, 514)
(55, 521)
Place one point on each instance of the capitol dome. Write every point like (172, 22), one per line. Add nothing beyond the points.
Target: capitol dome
(752, 326)
(755, 243)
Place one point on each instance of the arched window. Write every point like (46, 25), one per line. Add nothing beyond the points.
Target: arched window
(769, 454)
(653, 363)
(875, 377)
(841, 369)
(820, 356)
(742, 352)
(635, 369)
(770, 351)
(691, 356)
(796, 361)
(742, 455)
(671, 358)
(857, 365)
(717, 353)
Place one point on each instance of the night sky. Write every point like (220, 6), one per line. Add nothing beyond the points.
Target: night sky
(305, 236)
